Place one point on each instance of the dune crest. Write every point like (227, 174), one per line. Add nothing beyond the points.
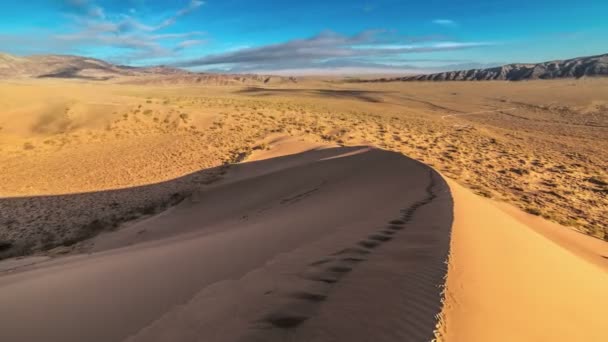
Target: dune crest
(309, 250)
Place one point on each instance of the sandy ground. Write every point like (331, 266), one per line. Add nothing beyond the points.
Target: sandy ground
(130, 151)
(134, 185)
(332, 244)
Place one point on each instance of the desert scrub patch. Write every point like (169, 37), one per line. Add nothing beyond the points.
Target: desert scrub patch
(238, 156)
(87, 231)
(597, 232)
(149, 209)
(549, 216)
(569, 222)
(16, 249)
(5, 245)
(597, 180)
(484, 193)
(533, 211)
(28, 146)
(262, 146)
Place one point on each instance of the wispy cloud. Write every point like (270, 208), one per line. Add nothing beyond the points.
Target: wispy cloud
(128, 38)
(84, 7)
(192, 6)
(188, 43)
(142, 40)
(445, 22)
(329, 48)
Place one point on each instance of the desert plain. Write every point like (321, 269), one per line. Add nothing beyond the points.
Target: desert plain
(316, 209)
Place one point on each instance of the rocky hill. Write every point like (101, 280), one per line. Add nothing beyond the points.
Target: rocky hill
(569, 68)
(60, 66)
(75, 67)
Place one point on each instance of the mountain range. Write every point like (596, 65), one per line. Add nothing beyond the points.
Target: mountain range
(570, 68)
(75, 67)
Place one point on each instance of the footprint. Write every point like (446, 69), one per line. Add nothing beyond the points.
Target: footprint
(369, 244)
(351, 250)
(381, 238)
(340, 269)
(325, 278)
(303, 304)
(311, 297)
(351, 259)
(320, 262)
(286, 321)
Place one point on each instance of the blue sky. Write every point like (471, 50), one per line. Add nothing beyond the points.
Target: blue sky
(308, 36)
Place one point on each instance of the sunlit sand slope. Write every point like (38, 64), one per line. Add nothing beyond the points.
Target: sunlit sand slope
(509, 282)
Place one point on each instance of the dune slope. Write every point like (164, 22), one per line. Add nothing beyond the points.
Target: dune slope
(508, 282)
(332, 244)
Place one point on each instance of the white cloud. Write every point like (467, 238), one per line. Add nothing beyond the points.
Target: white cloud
(97, 12)
(192, 6)
(445, 22)
(188, 43)
(328, 49)
(461, 45)
(94, 28)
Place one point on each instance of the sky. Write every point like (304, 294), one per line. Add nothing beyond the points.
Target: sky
(307, 37)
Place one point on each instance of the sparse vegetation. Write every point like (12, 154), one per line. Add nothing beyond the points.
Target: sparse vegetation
(5, 245)
(262, 147)
(544, 163)
(533, 211)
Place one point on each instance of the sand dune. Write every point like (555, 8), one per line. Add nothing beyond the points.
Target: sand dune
(306, 242)
(299, 247)
(548, 156)
(332, 244)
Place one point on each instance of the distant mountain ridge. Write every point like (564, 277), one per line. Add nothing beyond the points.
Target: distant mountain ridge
(40, 66)
(76, 67)
(570, 68)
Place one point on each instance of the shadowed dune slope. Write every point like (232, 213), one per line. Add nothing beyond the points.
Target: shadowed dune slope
(332, 244)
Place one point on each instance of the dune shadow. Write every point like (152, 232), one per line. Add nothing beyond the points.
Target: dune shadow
(361, 95)
(38, 223)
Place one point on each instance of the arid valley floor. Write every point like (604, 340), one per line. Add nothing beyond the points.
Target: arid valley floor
(99, 168)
